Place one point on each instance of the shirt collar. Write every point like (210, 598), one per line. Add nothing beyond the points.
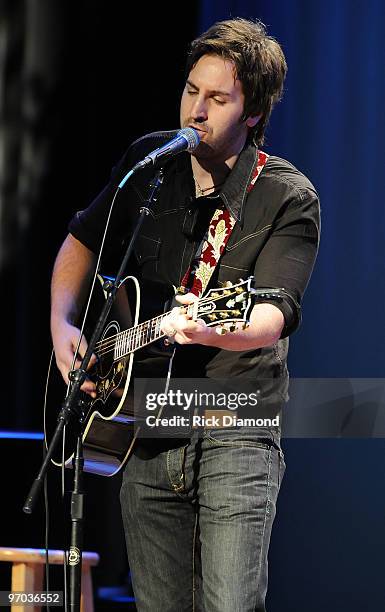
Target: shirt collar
(234, 191)
(232, 195)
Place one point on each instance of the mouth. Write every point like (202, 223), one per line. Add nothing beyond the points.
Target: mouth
(198, 129)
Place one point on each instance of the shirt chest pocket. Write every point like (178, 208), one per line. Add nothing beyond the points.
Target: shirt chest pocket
(241, 253)
(147, 251)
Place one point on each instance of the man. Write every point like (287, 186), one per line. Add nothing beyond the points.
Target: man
(198, 512)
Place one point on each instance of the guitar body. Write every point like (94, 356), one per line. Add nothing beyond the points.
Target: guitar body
(109, 430)
(109, 423)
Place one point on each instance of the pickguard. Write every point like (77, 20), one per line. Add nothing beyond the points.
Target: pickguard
(112, 381)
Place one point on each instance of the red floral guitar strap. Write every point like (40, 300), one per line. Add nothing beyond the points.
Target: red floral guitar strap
(221, 225)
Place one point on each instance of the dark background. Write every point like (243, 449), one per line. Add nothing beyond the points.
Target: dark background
(80, 81)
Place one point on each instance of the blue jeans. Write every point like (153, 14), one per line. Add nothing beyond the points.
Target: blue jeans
(198, 520)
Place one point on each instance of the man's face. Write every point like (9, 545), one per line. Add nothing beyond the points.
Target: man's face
(212, 103)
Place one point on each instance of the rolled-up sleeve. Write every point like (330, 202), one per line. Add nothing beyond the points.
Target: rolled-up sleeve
(288, 257)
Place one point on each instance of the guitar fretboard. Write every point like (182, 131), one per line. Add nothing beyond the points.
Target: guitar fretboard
(137, 337)
(236, 302)
(134, 338)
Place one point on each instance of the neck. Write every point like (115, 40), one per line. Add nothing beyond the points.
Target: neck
(208, 176)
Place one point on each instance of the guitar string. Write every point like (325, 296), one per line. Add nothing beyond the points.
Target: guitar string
(136, 327)
(128, 351)
(135, 333)
(144, 326)
(130, 347)
(131, 332)
(132, 335)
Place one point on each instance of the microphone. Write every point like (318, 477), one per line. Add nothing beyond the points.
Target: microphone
(185, 140)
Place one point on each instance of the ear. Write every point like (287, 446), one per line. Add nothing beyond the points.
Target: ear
(252, 121)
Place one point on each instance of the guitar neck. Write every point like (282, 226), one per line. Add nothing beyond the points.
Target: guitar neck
(135, 338)
(225, 305)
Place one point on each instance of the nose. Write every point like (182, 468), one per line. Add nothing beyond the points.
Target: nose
(199, 110)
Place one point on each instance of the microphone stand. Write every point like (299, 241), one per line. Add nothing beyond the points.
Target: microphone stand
(73, 407)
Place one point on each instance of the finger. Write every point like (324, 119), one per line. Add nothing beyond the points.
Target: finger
(92, 362)
(64, 371)
(82, 347)
(170, 332)
(64, 363)
(89, 387)
(178, 310)
(82, 351)
(182, 338)
(182, 322)
(169, 323)
(189, 298)
(166, 325)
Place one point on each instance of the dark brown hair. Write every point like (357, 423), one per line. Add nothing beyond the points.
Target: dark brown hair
(259, 62)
